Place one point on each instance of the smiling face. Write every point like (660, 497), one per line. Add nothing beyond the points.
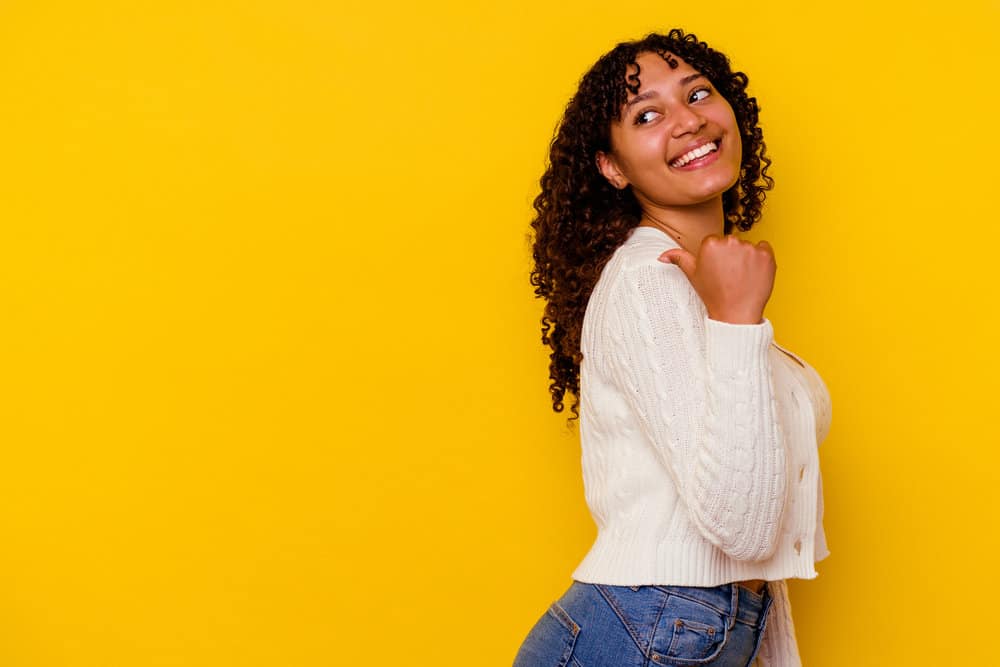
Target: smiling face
(677, 142)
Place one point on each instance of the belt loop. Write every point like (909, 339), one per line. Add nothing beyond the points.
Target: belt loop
(735, 605)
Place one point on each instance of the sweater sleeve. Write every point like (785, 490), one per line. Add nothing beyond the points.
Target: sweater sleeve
(707, 409)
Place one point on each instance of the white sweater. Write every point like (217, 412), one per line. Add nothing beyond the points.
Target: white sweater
(699, 442)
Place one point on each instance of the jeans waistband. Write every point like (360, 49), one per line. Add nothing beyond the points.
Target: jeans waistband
(750, 607)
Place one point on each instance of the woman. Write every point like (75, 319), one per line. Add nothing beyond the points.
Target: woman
(699, 433)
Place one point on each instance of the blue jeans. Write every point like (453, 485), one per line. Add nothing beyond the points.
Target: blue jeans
(597, 625)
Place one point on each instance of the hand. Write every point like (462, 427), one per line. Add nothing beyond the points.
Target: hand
(734, 278)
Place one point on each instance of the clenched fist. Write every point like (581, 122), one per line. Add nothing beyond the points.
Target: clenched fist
(734, 278)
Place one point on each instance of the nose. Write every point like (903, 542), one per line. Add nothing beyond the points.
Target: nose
(687, 121)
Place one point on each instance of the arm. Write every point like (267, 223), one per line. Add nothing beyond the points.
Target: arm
(710, 413)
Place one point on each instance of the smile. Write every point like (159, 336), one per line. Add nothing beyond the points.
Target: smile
(697, 157)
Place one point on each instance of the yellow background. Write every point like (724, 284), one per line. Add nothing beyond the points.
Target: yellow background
(273, 391)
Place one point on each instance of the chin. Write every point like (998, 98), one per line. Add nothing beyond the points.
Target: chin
(717, 188)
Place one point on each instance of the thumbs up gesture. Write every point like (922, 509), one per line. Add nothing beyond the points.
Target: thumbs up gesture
(734, 278)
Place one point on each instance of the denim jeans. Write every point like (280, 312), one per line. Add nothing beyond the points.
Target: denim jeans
(597, 625)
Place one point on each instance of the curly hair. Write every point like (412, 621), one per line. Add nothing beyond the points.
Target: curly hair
(580, 219)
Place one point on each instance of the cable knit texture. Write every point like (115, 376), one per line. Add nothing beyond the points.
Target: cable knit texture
(699, 442)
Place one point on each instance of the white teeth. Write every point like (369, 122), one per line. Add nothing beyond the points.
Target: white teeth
(702, 150)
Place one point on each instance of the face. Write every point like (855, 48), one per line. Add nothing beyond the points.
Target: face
(675, 112)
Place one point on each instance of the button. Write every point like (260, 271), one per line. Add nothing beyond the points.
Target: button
(802, 471)
(798, 546)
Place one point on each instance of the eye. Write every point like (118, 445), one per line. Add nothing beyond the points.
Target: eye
(703, 92)
(645, 117)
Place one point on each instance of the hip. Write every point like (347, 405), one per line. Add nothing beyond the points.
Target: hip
(599, 625)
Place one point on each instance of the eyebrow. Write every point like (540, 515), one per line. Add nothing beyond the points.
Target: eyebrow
(652, 93)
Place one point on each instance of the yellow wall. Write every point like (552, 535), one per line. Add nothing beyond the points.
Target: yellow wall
(273, 392)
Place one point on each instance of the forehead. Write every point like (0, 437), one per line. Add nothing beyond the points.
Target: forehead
(655, 70)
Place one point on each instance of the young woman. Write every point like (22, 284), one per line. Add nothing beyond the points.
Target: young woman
(699, 433)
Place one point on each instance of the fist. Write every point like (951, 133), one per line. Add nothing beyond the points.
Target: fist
(734, 278)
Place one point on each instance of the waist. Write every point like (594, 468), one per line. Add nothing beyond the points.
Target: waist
(645, 554)
(755, 586)
(728, 599)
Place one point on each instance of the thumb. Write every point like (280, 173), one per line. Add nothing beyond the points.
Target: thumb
(681, 258)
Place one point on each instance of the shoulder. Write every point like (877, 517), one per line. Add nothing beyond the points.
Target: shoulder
(636, 293)
(635, 267)
(635, 286)
(645, 244)
(641, 272)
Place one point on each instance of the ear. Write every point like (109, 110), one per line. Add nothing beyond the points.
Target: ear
(609, 168)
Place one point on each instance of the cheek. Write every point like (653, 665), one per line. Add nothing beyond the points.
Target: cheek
(732, 129)
(649, 149)
(735, 132)
(638, 156)
(737, 147)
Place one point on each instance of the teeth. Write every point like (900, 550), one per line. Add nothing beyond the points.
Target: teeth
(702, 150)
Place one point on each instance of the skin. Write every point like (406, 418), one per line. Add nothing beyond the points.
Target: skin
(674, 110)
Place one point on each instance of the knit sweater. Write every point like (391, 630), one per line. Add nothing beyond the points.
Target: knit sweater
(699, 442)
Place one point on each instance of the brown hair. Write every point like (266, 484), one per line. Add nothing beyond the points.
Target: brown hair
(580, 219)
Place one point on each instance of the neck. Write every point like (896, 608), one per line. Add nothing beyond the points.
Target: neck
(688, 225)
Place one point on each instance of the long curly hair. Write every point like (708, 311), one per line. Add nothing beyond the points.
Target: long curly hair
(580, 219)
